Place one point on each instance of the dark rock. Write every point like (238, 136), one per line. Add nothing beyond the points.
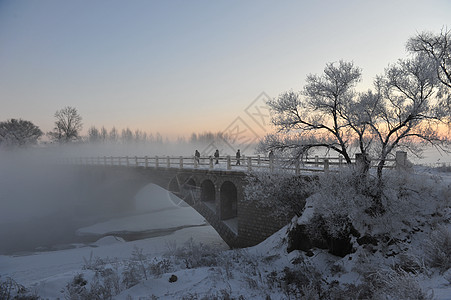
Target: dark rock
(298, 239)
(303, 237)
(339, 246)
(173, 278)
(366, 239)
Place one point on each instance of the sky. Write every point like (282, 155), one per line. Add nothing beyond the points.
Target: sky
(178, 67)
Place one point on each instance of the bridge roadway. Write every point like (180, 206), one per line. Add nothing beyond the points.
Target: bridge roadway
(216, 193)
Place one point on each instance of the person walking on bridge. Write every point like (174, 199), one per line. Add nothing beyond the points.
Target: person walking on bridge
(197, 156)
(271, 156)
(217, 156)
(238, 156)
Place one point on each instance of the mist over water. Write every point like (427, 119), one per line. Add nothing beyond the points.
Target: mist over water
(44, 202)
(36, 200)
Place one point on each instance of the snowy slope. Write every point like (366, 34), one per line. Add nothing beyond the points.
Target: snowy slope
(209, 270)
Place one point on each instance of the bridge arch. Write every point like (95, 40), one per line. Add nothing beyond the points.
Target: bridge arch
(174, 186)
(189, 183)
(207, 191)
(228, 200)
(189, 191)
(184, 188)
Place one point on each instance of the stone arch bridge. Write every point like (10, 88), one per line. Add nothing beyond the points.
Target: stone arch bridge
(218, 195)
(214, 188)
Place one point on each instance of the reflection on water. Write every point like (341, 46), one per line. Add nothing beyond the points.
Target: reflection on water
(154, 214)
(39, 233)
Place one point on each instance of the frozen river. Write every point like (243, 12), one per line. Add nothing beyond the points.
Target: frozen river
(156, 214)
(156, 225)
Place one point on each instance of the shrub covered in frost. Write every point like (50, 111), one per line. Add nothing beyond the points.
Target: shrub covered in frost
(395, 284)
(281, 191)
(342, 206)
(194, 255)
(438, 249)
(10, 289)
(76, 289)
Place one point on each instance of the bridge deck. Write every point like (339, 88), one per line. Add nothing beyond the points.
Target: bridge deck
(223, 163)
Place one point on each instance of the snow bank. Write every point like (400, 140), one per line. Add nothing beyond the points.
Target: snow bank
(174, 218)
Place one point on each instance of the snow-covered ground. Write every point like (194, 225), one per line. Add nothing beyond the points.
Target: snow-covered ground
(47, 273)
(192, 262)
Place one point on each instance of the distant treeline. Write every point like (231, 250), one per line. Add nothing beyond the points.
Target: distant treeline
(128, 136)
(20, 133)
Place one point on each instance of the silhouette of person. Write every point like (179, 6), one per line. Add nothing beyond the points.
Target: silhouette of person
(271, 155)
(271, 159)
(217, 156)
(238, 156)
(197, 156)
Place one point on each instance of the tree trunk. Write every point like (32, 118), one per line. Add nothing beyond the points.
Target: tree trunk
(377, 207)
(362, 163)
(380, 166)
(346, 157)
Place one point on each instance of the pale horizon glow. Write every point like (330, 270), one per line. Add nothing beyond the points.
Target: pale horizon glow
(178, 67)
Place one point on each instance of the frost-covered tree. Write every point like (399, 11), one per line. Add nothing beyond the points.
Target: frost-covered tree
(406, 108)
(158, 138)
(402, 109)
(67, 125)
(438, 48)
(114, 135)
(18, 132)
(317, 117)
(103, 134)
(193, 138)
(127, 136)
(140, 136)
(93, 135)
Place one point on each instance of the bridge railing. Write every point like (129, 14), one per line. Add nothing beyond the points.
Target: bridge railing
(228, 163)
